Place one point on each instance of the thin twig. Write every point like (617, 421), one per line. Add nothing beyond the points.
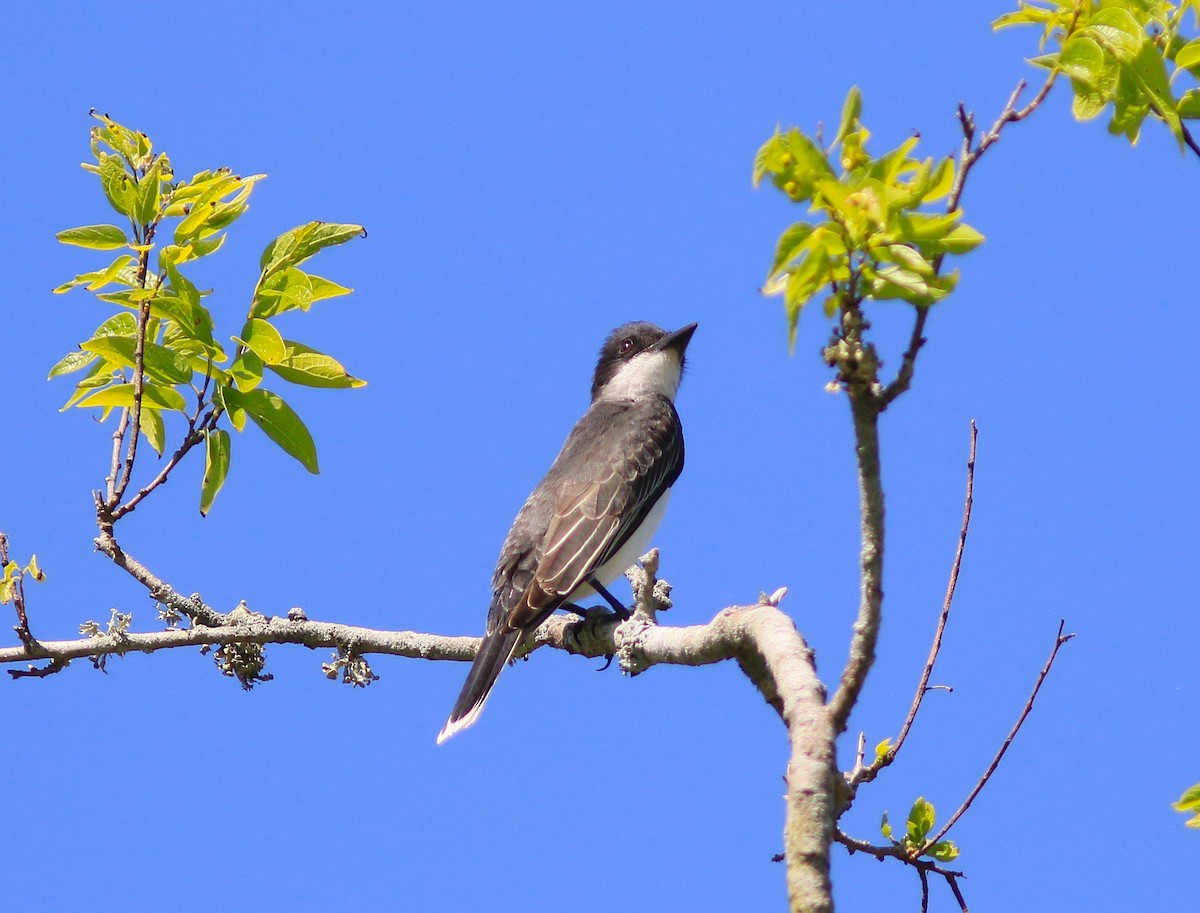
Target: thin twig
(923, 685)
(969, 155)
(18, 597)
(195, 434)
(55, 665)
(1059, 640)
(861, 774)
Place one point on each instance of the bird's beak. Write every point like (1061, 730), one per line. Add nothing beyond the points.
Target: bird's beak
(678, 340)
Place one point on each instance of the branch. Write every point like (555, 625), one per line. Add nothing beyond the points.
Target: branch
(18, 597)
(761, 638)
(865, 774)
(134, 414)
(968, 156)
(1059, 640)
(924, 867)
(193, 607)
(865, 410)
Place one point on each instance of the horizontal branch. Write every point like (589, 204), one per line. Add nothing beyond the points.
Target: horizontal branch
(746, 633)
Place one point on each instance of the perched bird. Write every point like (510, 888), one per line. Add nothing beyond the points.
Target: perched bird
(593, 514)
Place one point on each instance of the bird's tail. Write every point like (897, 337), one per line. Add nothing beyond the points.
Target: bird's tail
(496, 649)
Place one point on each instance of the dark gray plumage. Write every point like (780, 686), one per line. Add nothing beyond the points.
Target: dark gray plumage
(594, 512)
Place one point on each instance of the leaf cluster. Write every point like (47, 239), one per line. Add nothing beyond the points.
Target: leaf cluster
(872, 236)
(915, 839)
(12, 578)
(1189, 804)
(1133, 56)
(159, 353)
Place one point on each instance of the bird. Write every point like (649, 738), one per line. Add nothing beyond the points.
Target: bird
(596, 509)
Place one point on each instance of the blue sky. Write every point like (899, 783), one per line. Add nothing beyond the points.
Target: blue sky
(531, 177)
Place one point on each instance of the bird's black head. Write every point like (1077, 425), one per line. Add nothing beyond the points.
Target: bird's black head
(640, 358)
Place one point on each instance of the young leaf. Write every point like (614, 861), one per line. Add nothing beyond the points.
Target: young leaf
(216, 467)
(34, 570)
(295, 246)
(160, 363)
(118, 185)
(72, 361)
(882, 749)
(944, 851)
(885, 827)
(153, 427)
(247, 371)
(310, 368)
(263, 340)
(121, 395)
(97, 237)
(920, 821)
(279, 423)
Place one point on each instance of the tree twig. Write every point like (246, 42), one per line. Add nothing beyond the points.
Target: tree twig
(865, 774)
(1059, 640)
(969, 155)
(894, 851)
(18, 598)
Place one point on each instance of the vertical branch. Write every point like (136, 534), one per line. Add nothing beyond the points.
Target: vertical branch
(870, 609)
(133, 416)
(858, 371)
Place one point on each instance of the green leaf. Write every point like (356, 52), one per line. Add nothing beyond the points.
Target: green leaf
(1189, 104)
(295, 246)
(153, 427)
(225, 396)
(791, 245)
(311, 368)
(263, 340)
(943, 851)
(961, 240)
(121, 395)
(1082, 59)
(100, 278)
(97, 237)
(1189, 54)
(851, 111)
(885, 827)
(72, 361)
(882, 749)
(920, 821)
(160, 363)
(216, 467)
(279, 423)
(94, 379)
(247, 371)
(148, 193)
(1117, 30)
(118, 185)
(34, 570)
(193, 320)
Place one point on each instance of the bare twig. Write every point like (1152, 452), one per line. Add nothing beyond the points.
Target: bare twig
(55, 665)
(1059, 640)
(1189, 139)
(923, 865)
(193, 607)
(134, 413)
(195, 434)
(862, 774)
(968, 156)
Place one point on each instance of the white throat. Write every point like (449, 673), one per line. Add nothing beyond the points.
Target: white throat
(645, 374)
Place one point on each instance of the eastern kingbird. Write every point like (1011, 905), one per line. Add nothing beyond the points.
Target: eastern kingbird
(593, 514)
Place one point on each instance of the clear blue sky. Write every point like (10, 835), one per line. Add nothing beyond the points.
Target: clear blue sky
(532, 176)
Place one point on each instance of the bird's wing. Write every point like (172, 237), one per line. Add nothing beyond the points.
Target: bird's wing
(615, 478)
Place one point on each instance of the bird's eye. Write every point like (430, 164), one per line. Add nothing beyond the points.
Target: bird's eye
(626, 345)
